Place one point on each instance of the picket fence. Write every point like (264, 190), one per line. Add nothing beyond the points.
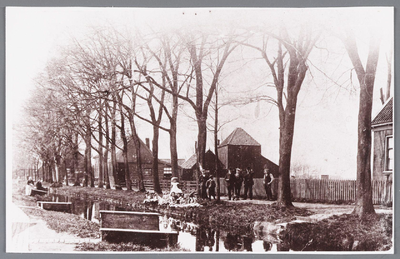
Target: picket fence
(308, 190)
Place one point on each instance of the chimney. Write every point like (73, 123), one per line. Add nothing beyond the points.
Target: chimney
(148, 142)
(217, 142)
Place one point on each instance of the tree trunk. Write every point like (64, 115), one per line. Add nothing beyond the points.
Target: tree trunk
(389, 77)
(156, 180)
(76, 163)
(128, 182)
(86, 178)
(216, 145)
(364, 189)
(87, 165)
(366, 79)
(139, 163)
(173, 149)
(113, 148)
(57, 168)
(52, 171)
(106, 172)
(137, 144)
(202, 139)
(88, 156)
(66, 172)
(101, 155)
(285, 153)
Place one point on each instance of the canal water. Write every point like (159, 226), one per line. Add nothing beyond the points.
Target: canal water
(192, 237)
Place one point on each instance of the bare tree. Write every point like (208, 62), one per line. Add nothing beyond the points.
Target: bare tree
(171, 74)
(290, 61)
(200, 50)
(366, 79)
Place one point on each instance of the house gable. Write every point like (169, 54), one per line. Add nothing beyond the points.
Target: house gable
(385, 115)
(239, 137)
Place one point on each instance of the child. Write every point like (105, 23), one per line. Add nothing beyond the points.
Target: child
(175, 192)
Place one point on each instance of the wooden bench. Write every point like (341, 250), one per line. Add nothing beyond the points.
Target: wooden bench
(136, 227)
(38, 192)
(56, 206)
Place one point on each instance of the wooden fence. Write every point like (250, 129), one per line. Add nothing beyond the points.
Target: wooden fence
(311, 190)
(187, 186)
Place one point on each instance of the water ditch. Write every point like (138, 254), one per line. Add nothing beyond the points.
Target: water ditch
(196, 234)
(195, 237)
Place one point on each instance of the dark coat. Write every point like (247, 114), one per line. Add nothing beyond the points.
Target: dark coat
(230, 179)
(248, 178)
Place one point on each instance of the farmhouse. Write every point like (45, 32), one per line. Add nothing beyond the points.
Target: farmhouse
(240, 150)
(383, 142)
(147, 162)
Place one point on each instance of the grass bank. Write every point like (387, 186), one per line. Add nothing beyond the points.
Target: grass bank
(124, 247)
(340, 233)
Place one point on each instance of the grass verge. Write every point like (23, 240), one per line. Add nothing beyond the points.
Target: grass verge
(124, 247)
(341, 233)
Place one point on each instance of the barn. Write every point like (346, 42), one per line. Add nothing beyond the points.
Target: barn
(240, 150)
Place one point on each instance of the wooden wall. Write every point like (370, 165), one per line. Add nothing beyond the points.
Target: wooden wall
(133, 172)
(246, 156)
(379, 151)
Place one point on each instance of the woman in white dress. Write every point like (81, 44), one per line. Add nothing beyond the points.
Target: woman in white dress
(175, 193)
(175, 190)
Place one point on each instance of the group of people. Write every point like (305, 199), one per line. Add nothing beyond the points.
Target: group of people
(208, 185)
(31, 185)
(235, 178)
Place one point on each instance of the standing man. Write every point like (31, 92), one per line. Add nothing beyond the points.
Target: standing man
(248, 183)
(230, 182)
(238, 183)
(268, 179)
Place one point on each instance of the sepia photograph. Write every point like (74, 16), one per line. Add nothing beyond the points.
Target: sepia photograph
(200, 130)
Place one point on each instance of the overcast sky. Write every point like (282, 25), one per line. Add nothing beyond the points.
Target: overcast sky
(326, 123)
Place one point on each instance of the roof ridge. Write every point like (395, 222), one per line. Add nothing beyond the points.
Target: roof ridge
(240, 137)
(385, 115)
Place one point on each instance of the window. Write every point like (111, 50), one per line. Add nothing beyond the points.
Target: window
(167, 172)
(389, 159)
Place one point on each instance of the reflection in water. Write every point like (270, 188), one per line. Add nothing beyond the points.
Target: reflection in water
(267, 246)
(247, 242)
(191, 236)
(205, 238)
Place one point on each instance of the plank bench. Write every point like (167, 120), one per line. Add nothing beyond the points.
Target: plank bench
(136, 227)
(38, 192)
(56, 206)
